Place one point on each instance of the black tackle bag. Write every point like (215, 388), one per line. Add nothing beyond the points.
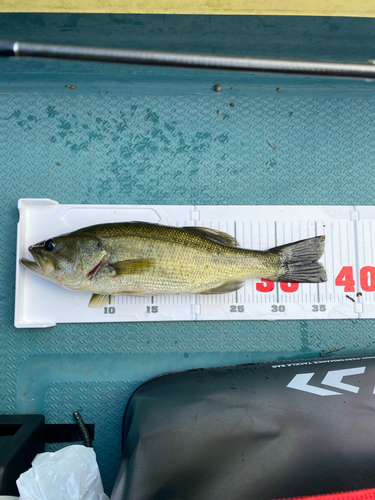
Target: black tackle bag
(251, 432)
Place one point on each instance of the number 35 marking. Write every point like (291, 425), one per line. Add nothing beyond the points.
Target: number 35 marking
(316, 308)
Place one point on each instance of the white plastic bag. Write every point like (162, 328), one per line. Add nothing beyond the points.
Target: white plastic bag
(71, 473)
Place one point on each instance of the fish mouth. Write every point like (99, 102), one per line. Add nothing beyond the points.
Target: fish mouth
(41, 265)
(33, 266)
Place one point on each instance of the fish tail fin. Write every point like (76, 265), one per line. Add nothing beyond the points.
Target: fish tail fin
(299, 261)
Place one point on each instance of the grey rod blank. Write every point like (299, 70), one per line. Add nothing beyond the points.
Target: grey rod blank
(182, 60)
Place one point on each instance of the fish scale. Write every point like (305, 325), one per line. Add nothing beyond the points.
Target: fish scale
(183, 261)
(137, 258)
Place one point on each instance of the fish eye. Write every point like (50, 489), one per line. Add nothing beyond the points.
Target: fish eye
(50, 245)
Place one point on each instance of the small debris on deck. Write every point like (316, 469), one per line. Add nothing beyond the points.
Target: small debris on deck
(331, 350)
(273, 147)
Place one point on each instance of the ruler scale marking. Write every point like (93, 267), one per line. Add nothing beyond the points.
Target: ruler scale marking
(333, 261)
(308, 236)
(372, 254)
(277, 284)
(357, 257)
(257, 304)
(317, 285)
(235, 237)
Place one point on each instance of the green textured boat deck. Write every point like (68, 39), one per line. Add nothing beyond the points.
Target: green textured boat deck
(132, 135)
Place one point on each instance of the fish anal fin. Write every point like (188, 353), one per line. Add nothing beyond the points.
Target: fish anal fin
(227, 287)
(97, 300)
(133, 266)
(136, 293)
(216, 236)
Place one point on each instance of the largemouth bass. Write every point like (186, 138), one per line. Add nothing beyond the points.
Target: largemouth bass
(142, 259)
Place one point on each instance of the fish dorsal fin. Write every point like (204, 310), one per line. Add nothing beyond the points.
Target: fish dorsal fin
(215, 236)
(227, 287)
(133, 266)
(98, 300)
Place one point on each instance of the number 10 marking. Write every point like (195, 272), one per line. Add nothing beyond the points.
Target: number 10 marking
(109, 310)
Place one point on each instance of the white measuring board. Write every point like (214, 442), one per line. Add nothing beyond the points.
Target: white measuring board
(349, 260)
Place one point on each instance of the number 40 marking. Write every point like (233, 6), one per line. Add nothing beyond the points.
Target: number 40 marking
(345, 278)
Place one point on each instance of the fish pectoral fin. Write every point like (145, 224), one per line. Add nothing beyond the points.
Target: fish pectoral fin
(98, 300)
(216, 236)
(133, 266)
(229, 286)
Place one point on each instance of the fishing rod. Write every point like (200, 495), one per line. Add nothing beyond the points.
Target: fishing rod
(183, 60)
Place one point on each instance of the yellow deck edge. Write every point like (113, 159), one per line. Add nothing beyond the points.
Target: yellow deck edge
(347, 8)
